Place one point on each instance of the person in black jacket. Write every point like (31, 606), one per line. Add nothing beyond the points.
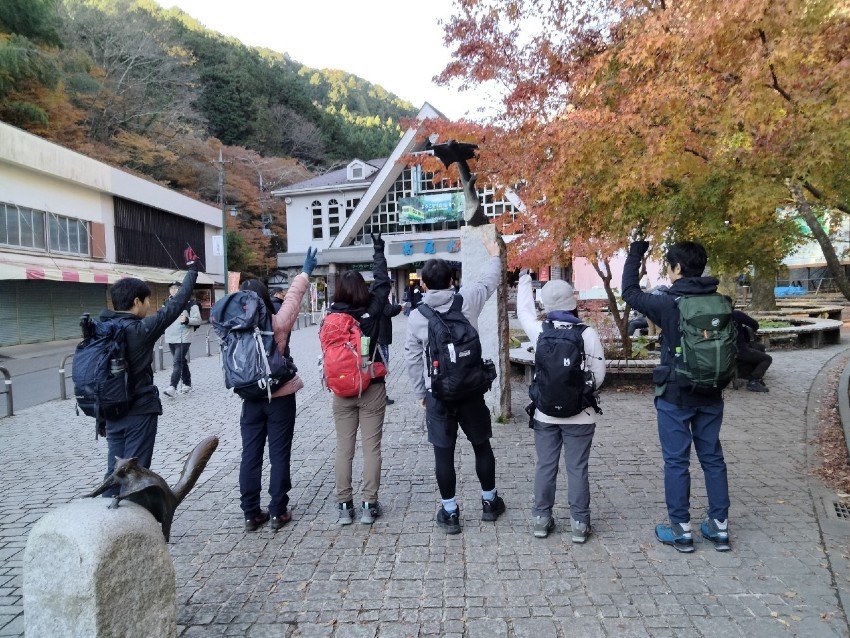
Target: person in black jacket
(684, 417)
(750, 352)
(385, 334)
(366, 412)
(134, 434)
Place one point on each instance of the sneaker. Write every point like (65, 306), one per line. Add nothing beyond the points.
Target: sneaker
(369, 512)
(491, 510)
(449, 522)
(720, 537)
(170, 391)
(346, 513)
(581, 531)
(186, 389)
(280, 520)
(674, 535)
(756, 385)
(543, 525)
(256, 522)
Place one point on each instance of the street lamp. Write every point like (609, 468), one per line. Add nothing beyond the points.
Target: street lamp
(220, 166)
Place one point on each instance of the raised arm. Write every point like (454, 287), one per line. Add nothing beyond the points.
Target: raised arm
(154, 325)
(526, 311)
(379, 290)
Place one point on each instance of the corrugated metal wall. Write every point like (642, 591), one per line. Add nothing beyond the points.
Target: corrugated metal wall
(36, 311)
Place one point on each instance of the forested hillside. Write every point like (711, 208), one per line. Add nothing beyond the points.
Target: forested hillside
(153, 91)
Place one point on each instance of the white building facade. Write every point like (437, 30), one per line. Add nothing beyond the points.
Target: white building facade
(70, 226)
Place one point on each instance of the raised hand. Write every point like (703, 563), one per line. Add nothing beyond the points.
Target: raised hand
(310, 260)
(377, 241)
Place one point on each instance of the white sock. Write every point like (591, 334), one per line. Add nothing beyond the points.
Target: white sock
(686, 527)
(488, 495)
(721, 525)
(449, 504)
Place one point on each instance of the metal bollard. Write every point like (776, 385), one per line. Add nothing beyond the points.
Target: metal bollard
(161, 353)
(63, 394)
(10, 411)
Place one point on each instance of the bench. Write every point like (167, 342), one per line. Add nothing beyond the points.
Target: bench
(808, 333)
(524, 356)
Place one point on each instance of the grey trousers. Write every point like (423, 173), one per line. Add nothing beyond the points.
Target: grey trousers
(576, 440)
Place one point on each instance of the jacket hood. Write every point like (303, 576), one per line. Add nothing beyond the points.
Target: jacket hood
(694, 286)
(438, 298)
(563, 316)
(112, 314)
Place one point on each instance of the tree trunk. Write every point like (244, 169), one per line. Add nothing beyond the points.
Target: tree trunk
(832, 261)
(762, 295)
(620, 320)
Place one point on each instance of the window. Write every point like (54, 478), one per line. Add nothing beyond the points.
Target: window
(357, 172)
(25, 227)
(333, 217)
(318, 232)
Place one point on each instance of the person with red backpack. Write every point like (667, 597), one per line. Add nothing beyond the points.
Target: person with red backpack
(355, 374)
(272, 418)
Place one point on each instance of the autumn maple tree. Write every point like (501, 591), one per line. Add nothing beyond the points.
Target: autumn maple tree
(698, 119)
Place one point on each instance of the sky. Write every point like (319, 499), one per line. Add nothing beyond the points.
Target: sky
(394, 44)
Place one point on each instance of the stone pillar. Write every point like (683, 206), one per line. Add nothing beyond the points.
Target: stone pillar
(493, 322)
(90, 571)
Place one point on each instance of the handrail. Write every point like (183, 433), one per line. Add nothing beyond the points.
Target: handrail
(63, 394)
(10, 411)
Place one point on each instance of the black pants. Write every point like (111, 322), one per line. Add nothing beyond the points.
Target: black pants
(181, 365)
(759, 360)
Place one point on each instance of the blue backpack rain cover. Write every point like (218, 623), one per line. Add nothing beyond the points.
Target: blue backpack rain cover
(252, 364)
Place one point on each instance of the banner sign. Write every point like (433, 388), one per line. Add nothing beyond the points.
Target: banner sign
(433, 208)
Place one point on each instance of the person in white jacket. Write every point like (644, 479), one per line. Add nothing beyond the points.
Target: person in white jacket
(575, 433)
(178, 336)
(472, 414)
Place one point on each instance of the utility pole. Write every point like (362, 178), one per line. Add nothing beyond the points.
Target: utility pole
(220, 165)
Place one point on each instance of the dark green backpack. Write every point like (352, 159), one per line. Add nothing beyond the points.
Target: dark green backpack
(707, 351)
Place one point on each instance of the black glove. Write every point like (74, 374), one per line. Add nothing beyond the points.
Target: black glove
(377, 242)
(639, 248)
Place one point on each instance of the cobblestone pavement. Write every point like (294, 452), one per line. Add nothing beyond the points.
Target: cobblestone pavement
(405, 577)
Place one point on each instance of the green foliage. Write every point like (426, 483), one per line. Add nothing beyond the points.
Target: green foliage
(22, 64)
(22, 113)
(239, 255)
(33, 19)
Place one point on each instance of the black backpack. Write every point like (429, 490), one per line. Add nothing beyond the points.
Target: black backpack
(561, 387)
(455, 365)
(99, 371)
(252, 364)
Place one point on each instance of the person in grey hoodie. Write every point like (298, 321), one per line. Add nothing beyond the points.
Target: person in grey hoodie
(471, 415)
(178, 336)
(551, 433)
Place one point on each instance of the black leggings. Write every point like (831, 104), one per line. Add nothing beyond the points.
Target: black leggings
(485, 468)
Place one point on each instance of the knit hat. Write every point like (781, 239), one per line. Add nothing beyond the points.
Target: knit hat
(558, 295)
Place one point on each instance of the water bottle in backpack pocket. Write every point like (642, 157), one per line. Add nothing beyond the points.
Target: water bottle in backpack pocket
(347, 368)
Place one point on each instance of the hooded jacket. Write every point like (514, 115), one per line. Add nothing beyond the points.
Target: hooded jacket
(474, 297)
(179, 332)
(140, 337)
(664, 311)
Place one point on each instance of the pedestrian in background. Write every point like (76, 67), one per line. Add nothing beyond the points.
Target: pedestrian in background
(178, 336)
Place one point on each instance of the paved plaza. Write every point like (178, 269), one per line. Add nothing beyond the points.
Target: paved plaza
(787, 573)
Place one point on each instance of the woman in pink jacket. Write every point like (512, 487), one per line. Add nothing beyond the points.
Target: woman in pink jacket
(273, 420)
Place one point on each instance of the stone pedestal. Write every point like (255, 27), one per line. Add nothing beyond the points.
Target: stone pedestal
(90, 572)
(493, 322)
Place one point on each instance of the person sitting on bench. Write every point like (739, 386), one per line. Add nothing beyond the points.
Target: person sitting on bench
(750, 352)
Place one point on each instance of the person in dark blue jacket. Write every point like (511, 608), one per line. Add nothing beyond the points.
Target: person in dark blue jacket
(684, 417)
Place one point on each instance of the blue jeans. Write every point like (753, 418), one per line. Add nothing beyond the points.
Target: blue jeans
(274, 421)
(677, 428)
(131, 436)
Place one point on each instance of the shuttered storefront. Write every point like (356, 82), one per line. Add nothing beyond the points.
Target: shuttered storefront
(36, 311)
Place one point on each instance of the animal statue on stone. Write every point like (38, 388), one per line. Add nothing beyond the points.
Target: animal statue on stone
(148, 489)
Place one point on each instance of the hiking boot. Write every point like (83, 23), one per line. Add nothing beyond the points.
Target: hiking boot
(346, 513)
(491, 510)
(581, 531)
(186, 389)
(170, 391)
(280, 520)
(720, 537)
(757, 385)
(543, 525)
(674, 535)
(256, 522)
(449, 522)
(369, 512)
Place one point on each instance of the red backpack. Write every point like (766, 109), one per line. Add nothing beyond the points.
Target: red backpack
(346, 372)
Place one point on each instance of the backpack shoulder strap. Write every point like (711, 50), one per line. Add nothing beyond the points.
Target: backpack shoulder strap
(427, 311)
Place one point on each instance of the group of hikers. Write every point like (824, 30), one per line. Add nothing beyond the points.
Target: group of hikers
(441, 347)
